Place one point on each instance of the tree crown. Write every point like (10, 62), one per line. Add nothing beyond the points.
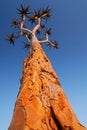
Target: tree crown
(36, 17)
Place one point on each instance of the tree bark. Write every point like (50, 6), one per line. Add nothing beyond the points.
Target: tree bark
(41, 102)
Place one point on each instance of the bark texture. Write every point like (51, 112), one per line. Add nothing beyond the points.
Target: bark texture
(41, 103)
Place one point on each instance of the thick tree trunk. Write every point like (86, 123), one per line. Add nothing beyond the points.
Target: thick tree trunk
(41, 103)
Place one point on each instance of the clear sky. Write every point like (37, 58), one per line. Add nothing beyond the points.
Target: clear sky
(69, 27)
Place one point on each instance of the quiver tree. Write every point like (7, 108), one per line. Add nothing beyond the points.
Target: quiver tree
(36, 18)
(41, 103)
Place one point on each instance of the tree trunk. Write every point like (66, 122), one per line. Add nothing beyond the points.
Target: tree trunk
(41, 103)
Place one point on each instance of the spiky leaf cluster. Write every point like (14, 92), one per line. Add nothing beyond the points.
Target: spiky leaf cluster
(15, 23)
(24, 10)
(48, 31)
(46, 13)
(11, 38)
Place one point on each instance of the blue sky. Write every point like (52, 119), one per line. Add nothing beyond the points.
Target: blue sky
(69, 27)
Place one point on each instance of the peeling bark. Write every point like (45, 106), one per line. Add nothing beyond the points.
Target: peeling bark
(41, 102)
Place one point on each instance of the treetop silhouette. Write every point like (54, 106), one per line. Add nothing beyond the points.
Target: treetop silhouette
(36, 17)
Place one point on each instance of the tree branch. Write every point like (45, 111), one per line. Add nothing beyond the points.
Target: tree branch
(37, 26)
(49, 42)
(52, 44)
(26, 30)
(22, 24)
(27, 38)
(46, 40)
(43, 15)
(43, 41)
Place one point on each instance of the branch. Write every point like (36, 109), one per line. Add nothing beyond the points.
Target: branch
(50, 43)
(43, 41)
(37, 26)
(43, 15)
(46, 40)
(22, 24)
(27, 38)
(47, 36)
(54, 44)
(26, 30)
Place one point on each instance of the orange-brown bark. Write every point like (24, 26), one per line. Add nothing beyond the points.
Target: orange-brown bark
(41, 103)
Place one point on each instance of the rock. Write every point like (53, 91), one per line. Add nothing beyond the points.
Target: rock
(41, 103)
